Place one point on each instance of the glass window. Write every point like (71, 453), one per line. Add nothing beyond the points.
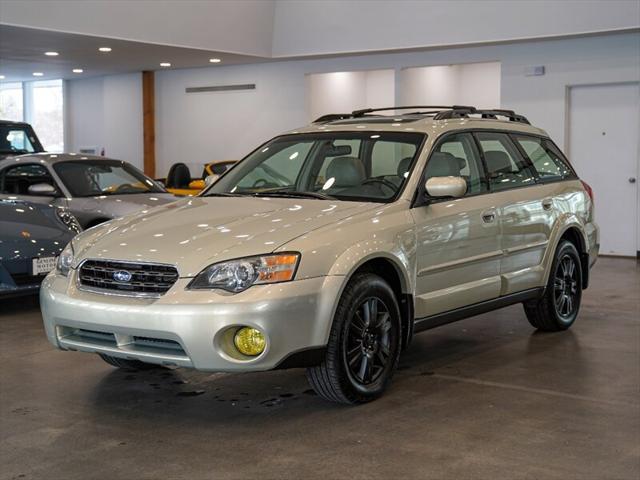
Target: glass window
(546, 159)
(17, 179)
(15, 140)
(386, 158)
(458, 157)
(87, 178)
(46, 115)
(11, 106)
(505, 167)
(342, 165)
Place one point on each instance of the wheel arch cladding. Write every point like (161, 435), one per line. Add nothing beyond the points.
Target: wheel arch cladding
(574, 235)
(389, 271)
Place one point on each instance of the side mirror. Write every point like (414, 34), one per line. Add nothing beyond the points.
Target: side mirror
(211, 179)
(440, 187)
(42, 189)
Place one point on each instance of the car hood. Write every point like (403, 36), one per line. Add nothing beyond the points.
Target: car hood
(120, 205)
(196, 232)
(30, 230)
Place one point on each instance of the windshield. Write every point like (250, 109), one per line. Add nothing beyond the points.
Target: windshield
(88, 178)
(15, 139)
(346, 166)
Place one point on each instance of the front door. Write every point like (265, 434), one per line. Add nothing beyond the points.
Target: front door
(16, 180)
(458, 240)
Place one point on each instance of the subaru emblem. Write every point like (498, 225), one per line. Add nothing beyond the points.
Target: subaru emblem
(122, 276)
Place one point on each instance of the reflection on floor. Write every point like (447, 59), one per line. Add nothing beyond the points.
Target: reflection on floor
(487, 397)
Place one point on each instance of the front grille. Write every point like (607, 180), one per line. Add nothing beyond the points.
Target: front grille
(146, 278)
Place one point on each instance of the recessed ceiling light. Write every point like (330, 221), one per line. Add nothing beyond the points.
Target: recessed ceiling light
(1, 77)
(165, 64)
(215, 60)
(77, 70)
(51, 54)
(38, 74)
(105, 49)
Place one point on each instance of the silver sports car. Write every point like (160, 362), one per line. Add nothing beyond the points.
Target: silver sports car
(94, 189)
(32, 236)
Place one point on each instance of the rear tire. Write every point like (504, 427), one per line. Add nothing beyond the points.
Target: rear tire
(560, 304)
(364, 343)
(126, 364)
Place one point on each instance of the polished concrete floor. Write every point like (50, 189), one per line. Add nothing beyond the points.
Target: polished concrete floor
(486, 398)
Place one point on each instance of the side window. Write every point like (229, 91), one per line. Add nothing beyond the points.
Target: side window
(546, 159)
(279, 170)
(505, 167)
(391, 158)
(457, 155)
(18, 178)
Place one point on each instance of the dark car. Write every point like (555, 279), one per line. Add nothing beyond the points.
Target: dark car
(18, 138)
(31, 238)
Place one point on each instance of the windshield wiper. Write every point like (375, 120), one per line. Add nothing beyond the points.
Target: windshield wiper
(222, 194)
(294, 194)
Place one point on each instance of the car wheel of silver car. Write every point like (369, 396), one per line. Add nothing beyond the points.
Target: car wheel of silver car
(127, 364)
(364, 344)
(559, 306)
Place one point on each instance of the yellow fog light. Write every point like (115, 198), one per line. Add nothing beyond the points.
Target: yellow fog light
(249, 341)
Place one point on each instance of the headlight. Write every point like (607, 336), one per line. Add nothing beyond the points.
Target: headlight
(68, 219)
(65, 260)
(238, 275)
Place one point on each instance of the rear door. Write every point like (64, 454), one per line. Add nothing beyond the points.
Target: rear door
(458, 240)
(526, 210)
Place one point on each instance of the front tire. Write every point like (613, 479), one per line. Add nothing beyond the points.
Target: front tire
(560, 304)
(364, 343)
(126, 364)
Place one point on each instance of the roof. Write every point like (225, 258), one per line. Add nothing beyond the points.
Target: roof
(11, 122)
(422, 119)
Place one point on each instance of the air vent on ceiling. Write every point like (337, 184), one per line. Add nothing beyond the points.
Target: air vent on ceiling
(221, 88)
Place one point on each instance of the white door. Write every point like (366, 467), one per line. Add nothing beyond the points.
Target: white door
(603, 147)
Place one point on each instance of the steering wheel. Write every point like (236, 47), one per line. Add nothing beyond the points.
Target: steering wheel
(124, 188)
(381, 181)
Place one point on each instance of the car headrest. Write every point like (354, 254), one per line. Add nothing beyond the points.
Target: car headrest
(497, 161)
(5, 144)
(179, 176)
(347, 171)
(403, 166)
(443, 164)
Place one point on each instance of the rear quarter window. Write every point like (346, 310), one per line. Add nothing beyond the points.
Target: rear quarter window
(545, 157)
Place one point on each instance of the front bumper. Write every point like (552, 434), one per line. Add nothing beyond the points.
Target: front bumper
(191, 328)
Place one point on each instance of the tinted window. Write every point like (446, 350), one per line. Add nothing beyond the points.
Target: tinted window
(18, 179)
(546, 159)
(15, 140)
(505, 167)
(458, 157)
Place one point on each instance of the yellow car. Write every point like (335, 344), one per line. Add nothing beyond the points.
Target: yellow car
(179, 181)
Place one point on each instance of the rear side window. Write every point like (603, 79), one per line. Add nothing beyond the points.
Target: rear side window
(545, 157)
(505, 167)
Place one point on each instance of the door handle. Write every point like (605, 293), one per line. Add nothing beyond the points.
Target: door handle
(632, 179)
(489, 216)
(547, 203)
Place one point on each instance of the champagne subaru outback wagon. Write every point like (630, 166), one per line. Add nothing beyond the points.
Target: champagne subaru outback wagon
(330, 246)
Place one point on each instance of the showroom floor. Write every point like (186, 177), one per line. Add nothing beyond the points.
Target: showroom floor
(484, 398)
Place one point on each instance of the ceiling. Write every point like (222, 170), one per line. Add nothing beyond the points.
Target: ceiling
(22, 52)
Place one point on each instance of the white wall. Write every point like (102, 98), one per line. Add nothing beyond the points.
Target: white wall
(475, 84)
(347, 91)
(313, 27)
(198, 127)
(106, 112)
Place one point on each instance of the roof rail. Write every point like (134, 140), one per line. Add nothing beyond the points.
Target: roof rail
(464, 112)
(331, 117)
(364, 111)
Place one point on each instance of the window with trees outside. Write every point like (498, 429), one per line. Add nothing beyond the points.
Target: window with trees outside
(39, 103)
